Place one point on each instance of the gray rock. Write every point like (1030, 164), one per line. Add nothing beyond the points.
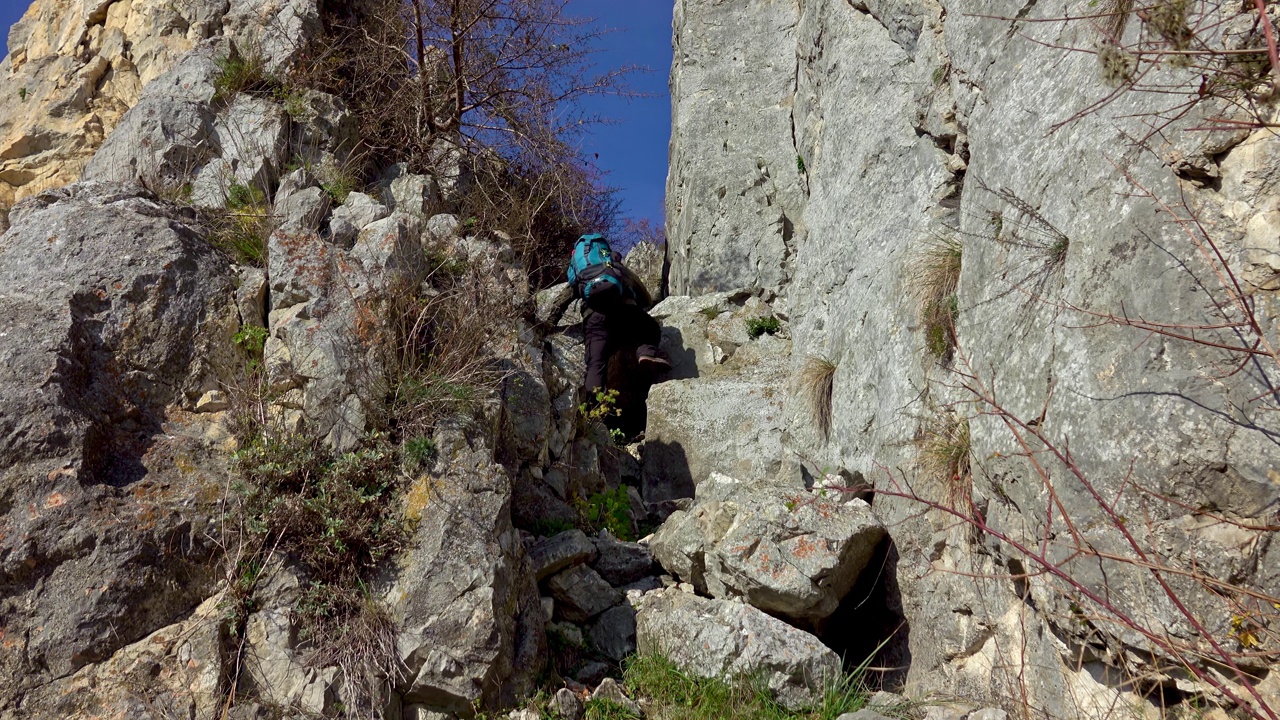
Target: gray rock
(551, 303)
(406, 192)
(728, 418)
(582, 594)
(863, 714)
(443, 227)
(390, 256)
(279, 32)
(734, 196)
(718, 638)
(251, 297)
(302, 211)
(250, 137)
(610, 691)
(551, 555)
(463, 578)
(525, 714)
(361, 210)
(785, 551)
(614, 633)
(592, 673)
(296, 181)
(988, 714)
(646, 260)
(566, 705)
(112, 312)
(621, 563)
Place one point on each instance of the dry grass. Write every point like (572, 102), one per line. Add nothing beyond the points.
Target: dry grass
(943, 455)
(817, 381)
(934, 276)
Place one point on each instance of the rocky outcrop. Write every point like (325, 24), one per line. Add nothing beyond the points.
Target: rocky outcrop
(894, 124)
(75, 67)
(117, 318)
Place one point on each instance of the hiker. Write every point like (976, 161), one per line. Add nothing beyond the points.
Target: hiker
(615, 304)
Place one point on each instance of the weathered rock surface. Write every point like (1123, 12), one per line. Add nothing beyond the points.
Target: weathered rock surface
(114, 314)
(720, 638)
(470, 617)
(954, 133)
(725, 415)
(784, 550)
(76, 67)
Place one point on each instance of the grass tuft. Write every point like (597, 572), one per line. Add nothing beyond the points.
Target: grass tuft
(817, 382)
(943, 454)
(934, 279)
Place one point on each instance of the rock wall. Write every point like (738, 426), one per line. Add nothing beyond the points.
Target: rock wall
(76, 66)
(820, 148)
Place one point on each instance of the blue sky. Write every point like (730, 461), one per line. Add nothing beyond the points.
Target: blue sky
(633, 150)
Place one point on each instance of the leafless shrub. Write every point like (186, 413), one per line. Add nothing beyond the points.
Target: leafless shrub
(485, 96)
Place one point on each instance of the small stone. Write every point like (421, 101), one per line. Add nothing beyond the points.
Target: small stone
(550, 556)
(566, 705)
(212, 401)
(548, 607)
(989, 714)
(582, 594)
(611, 691)
(569, 634)
(621, 563)
(525, 714)
(863, 714)
(592, 673)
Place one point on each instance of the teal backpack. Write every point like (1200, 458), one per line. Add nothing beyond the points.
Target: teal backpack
(593, 275)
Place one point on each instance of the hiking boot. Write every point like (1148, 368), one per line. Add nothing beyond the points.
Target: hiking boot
(656, 362)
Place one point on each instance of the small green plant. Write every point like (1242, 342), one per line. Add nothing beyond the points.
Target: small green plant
(800, 164)
(606, 709)
(419, 452)
(672, 693)
(763, 326)
(608, 510)
(603, 406)
(237, 73)
(293, 100)
(711, 313)
(22, 94)
(252, 339)
(242, 229)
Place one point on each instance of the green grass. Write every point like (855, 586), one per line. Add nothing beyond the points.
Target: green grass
(672, 694)
(419, 452)
(239, 73)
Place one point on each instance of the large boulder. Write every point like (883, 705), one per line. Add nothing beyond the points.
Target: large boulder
(730, 640)
(466, 602)
(787, 551)
(113, 313)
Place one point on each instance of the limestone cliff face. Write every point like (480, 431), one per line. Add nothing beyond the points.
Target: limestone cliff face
(76, 66)
(820, 147)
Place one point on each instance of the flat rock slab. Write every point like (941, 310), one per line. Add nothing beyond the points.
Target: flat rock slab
(724, 639)
(622, 563)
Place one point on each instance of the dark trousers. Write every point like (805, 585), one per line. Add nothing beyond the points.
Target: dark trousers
(623, 326)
